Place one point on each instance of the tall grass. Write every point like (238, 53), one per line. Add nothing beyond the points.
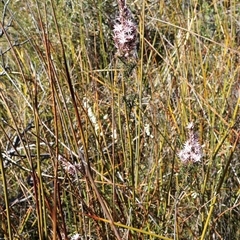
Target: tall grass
(90, 139)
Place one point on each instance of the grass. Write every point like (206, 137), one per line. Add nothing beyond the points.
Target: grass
(90, 140)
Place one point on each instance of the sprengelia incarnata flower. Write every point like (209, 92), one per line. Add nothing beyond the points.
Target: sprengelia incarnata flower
(125, 31)
(192, 150)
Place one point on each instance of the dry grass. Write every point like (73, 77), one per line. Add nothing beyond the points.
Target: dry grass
(90, 140)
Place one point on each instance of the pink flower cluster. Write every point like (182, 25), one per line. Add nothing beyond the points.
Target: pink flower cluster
(125, 32)
(192, 150)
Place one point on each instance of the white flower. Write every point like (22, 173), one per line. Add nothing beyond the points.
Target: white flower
(118, 28)
(121, 37)
(192, 150)
(76, 236)
(130, 23)
(190, 125)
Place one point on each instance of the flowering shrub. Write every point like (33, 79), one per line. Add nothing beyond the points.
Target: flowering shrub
(125, 32)
(192, 150)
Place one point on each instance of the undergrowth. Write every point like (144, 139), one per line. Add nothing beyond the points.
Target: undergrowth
(91, 138)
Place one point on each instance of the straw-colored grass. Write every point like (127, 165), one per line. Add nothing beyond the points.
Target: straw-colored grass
(90, 140)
